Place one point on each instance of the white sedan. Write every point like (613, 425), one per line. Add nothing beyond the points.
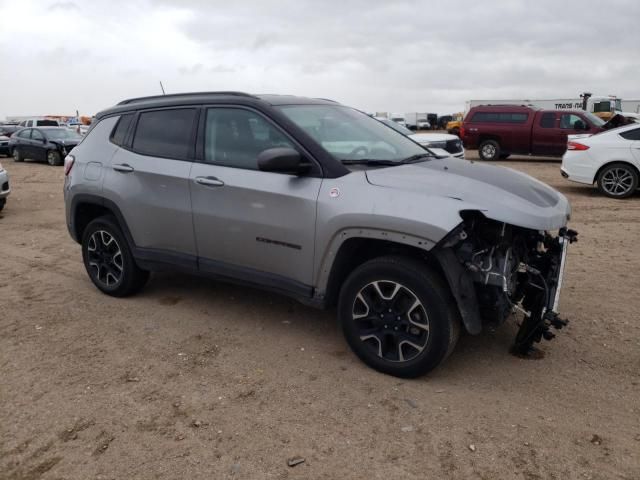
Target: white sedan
(611, 159)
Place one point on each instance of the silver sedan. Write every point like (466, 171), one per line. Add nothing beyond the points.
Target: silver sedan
(5, 189)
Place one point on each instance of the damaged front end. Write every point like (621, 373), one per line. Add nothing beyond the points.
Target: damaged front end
(496, 269)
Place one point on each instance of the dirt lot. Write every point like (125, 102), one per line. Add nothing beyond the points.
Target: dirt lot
(195, 379)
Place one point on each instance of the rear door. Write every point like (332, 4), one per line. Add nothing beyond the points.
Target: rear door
(633, 137)
(148, 179)
(249, 224)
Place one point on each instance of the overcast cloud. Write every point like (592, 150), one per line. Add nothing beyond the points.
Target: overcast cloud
(401, 56)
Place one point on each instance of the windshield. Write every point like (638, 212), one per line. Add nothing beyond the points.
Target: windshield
(348, 134)
(595, 120)
(61, 134)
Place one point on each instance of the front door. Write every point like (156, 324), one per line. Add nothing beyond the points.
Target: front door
(37, 149)
(251, 224)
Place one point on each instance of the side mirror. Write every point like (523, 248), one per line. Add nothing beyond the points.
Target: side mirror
(282, 160)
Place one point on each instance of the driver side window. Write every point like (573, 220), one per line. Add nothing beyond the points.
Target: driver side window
(568, 121)
(235, 137)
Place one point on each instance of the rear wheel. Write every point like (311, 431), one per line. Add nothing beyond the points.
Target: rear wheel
(54, 158)
(397, 316)
(489, 150)
(108, 259)
(618, 180)
(3, 201)
(17, 155)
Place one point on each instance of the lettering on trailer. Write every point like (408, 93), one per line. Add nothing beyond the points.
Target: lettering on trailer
(577, 105)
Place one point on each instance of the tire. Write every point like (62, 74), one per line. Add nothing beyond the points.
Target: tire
(3, 202)
(489, 150)
(114, 273)
(374, 316)
(455, 131)
(618, 180)
(54, 158)
(17, 155)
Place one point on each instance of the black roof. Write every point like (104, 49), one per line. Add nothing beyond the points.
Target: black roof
(195, 98)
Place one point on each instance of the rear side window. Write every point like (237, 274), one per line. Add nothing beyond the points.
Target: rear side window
(548, 120)
(499, 117)
(122, 127)
(631, 134)
(165, 133)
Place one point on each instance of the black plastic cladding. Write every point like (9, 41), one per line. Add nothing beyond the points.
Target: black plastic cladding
(331, 167)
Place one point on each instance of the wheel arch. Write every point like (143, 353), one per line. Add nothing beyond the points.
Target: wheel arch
(611, 162)
(86, 207)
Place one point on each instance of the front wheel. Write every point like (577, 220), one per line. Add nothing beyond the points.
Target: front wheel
(397, 316)
(489, 150)
(53, 158)
(108, 259)
(618, 180)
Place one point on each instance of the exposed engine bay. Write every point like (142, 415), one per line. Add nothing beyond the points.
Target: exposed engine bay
(512, 269)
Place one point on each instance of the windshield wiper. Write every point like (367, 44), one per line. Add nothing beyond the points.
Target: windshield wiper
(417, 158)
(375, 161)
(367, 161)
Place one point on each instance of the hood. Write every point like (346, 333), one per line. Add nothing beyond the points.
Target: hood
(432, 137)
(499, 193)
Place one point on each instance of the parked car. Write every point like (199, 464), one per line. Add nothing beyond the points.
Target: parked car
(4, 145)
(38, 122)
(610, 159)
(5, 188)
(442, 144)
(321, 202)
(498, 131)
(8, 129)
(50, 144)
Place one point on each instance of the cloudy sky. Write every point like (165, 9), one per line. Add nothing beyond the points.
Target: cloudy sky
(400, 56)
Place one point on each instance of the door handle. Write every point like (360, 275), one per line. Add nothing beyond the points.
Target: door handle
(209, 181)
(123, 167)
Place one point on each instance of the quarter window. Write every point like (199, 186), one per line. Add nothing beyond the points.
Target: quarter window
(26, 133)
(165, 133)
(548, 120)
(631, 134)
(121, 129)
(235, 137)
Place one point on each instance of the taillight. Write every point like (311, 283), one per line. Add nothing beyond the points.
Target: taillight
(68, 164)
(576, 146)
(461, 131)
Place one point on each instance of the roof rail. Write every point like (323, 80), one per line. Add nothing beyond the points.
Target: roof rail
(186, 94)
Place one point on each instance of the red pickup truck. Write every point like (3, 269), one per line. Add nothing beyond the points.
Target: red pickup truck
(497, 131)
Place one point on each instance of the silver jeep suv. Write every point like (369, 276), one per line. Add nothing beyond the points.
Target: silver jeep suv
(318, 201)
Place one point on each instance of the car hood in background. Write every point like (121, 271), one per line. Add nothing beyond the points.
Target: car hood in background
(432, 137)
(499, 193)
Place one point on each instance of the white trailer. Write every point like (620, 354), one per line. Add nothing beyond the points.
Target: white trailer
(411, 119)
(595, 104)
(631, 106)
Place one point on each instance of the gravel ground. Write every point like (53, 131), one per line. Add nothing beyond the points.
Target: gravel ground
(197, 379)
